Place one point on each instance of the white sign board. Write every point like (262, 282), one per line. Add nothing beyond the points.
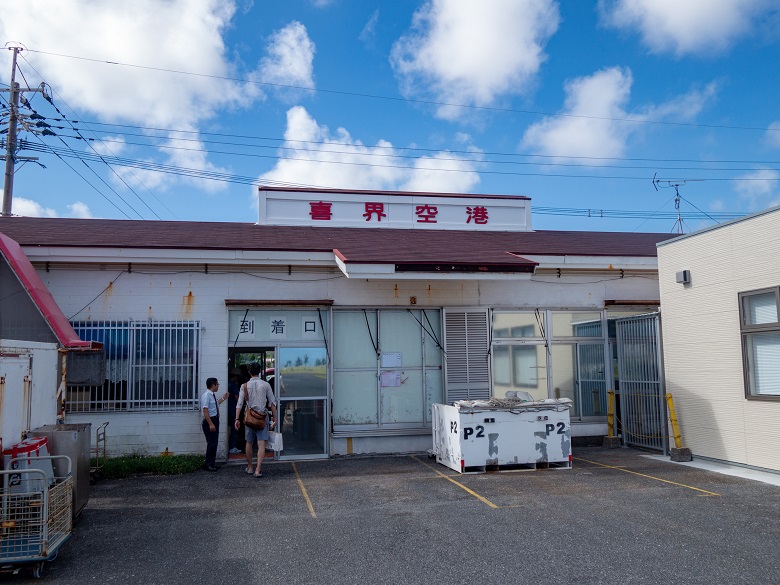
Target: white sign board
(391, 360)
(379, 209)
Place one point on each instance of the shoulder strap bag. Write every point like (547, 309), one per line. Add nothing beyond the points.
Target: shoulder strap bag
(254, 419)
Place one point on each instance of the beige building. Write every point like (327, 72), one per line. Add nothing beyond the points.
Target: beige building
(720, 299)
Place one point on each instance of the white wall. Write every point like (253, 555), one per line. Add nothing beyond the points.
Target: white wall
(171, 293)
(39, 362)
(701, 338)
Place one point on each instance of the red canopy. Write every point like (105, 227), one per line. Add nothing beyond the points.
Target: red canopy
(39, 294)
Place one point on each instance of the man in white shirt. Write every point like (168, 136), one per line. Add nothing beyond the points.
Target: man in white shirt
(209, 404)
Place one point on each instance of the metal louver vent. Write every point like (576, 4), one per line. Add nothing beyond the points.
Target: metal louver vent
(468, 366)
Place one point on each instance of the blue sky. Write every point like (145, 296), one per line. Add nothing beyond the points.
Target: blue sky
(575, 104)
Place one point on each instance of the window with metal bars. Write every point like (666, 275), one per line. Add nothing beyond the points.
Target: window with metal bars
(150, 366)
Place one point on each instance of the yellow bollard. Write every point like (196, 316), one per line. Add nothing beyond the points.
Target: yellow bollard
(610, 413)
(673, 419)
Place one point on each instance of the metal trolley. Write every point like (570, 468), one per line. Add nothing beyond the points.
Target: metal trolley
(36, 516)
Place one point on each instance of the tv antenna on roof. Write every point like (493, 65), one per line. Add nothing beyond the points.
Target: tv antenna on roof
(679, 224)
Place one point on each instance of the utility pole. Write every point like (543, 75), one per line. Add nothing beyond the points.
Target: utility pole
(10, 141)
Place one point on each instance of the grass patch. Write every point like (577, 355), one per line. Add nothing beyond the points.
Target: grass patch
(121, 467)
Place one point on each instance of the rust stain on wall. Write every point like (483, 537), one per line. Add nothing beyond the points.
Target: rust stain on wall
(187, 304)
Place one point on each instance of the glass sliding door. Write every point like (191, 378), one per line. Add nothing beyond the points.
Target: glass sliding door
(302, 391)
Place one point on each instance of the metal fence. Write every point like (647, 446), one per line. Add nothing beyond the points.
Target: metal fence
(640, 393)
(150, 366)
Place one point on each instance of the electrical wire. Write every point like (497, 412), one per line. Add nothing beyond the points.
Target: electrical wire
(394, 153)
(402, 99)
(360, 153)
(227, 177)
(51, 102)
(282, 141)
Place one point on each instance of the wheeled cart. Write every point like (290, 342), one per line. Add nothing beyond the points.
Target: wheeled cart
(36, 515)
(475, 436)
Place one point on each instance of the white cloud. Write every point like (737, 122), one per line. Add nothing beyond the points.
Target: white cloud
(108, 145)
(368, 34)
(458, 175)
(683, 107)
(290, 57)
(139, 178)
(759, 189)
(686, 27)
(314, 156)
(587, 126)
(595, 121)
(717, 205)
(79, 210)
(473, 53)
(773, 135)
(30, 208)
(187, 36)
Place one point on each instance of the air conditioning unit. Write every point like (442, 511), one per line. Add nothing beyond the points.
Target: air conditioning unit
(684, 277)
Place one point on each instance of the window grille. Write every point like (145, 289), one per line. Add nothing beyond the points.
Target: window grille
(150, 366)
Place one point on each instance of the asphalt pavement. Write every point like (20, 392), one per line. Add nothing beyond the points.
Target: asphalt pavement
(618, 516)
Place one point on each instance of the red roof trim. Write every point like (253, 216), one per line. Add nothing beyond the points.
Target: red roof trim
(39, 294)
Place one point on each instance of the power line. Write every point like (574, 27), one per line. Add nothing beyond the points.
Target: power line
(359, 153)
(406, 100)
(281, 142)
(542, 210)
(51, 102)
(209, 174)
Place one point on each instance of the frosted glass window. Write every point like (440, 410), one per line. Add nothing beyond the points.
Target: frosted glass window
(564, 374)
(764, 363)
(520, 367)
(434, 391)
(353, 346)
(432, 322)
(761, 343)
(400, 333)
(566, 324)
(398, 386)
(760, 309)
(404, 403)
(354, 398)
(502, 365)
(514, 324)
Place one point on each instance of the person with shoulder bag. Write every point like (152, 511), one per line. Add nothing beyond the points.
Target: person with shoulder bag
(259, 398)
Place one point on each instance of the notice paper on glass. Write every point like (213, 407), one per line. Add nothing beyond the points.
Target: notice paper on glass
(391, 360)
(391, 379)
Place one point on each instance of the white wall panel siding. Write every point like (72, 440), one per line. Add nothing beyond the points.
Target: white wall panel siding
(701, 338)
